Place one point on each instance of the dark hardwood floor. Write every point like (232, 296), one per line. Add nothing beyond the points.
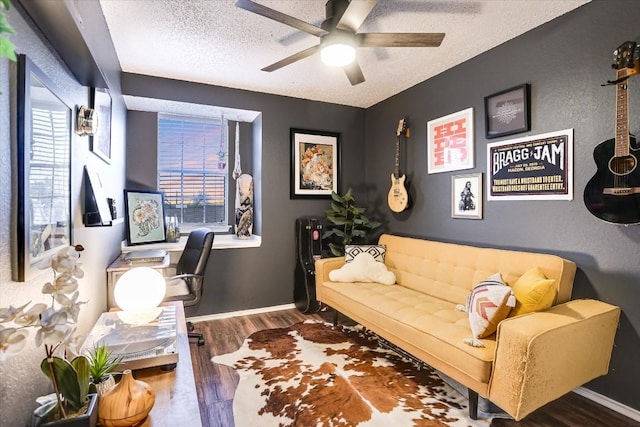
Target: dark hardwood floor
(216, 383)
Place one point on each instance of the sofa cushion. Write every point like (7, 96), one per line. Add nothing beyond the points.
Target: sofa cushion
(488, 304)
(377, 251)
(534, 292)
(363, 268)
(404, 315)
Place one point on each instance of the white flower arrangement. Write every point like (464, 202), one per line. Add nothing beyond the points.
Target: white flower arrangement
(55, 328)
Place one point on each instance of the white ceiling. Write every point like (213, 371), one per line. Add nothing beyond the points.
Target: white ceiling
(213, 42)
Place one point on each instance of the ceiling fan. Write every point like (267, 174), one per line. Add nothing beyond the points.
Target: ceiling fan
(338, 33)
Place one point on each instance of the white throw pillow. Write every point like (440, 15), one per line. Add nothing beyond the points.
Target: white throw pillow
(363, 268)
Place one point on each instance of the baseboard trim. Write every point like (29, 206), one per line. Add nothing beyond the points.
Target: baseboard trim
(609, 403)
(227, 315)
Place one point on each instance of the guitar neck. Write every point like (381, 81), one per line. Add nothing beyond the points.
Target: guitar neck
(396, 171)
(622, 115)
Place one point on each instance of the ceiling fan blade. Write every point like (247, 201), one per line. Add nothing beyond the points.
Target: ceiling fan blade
(291, 59)
(400, 39)
(356, 13)
(354, 73)
(280, 17)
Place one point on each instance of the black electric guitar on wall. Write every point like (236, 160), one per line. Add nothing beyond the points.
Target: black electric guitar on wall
(398, 198)
(613, 193)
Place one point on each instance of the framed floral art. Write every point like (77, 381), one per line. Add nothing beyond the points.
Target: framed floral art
(145, 217)
(314, 164)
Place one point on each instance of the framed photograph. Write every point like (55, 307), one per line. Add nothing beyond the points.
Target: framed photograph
(538, 167)
(450, 142)
(314, 163)
(507, 112)
(100, 143)
(145, 217)
(466, 196)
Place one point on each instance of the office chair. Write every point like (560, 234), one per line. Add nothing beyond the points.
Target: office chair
(186, 285)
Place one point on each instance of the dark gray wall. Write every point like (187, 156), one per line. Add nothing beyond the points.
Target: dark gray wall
(565, 61)
(240, 279)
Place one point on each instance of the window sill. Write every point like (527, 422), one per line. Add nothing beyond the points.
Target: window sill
(221, 241)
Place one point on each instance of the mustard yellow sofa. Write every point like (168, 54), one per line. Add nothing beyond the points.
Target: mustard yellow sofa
(533, 358)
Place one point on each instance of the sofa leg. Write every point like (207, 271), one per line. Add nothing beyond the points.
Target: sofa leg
(335, 317)
(473, 404)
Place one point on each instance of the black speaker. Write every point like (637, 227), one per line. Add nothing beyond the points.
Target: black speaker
(309, 249)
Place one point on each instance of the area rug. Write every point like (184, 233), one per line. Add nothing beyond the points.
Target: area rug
(311, 374)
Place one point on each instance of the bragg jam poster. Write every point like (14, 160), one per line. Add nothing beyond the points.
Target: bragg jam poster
(450, 142)
(532, 168)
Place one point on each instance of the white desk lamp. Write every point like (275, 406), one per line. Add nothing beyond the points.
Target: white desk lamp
(138, 293)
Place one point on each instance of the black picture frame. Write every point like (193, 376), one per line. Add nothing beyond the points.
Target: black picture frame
(145, 222)
(100, 143)
(315, 164)
(507, 112)
(43, 219)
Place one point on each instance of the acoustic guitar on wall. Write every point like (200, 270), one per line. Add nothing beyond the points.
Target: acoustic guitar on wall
(398, 198)
(613, 193)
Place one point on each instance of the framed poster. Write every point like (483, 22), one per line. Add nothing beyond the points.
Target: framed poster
(100, 143)
(507, 112)
(145, 217)
(538, 167)
(466, 196)
(450, 142)
(314, 163)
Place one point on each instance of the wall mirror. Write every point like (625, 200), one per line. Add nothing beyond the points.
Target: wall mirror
(43, 217)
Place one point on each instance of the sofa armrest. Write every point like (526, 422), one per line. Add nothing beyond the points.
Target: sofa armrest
(543, 355)
(325, 265)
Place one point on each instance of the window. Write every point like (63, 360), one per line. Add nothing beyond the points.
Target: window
(193, 169)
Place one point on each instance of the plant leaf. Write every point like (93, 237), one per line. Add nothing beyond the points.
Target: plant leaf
(7, 49)
(4, 25)
(82, 367)
(5, 3)
(335, 196)
(66, 378)
(349, 195)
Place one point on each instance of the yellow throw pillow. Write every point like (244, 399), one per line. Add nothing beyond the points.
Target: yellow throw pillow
(534, 292)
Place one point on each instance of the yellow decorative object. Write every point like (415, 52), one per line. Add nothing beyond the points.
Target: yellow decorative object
(534, 292)
(127, 404)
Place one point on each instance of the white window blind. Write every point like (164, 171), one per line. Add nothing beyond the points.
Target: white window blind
(192, 168)
(49, 165)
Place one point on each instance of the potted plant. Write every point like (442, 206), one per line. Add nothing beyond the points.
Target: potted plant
(102, 364)
(71, 403)
(7, 49)
(349, 224)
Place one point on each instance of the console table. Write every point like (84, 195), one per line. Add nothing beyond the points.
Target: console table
(176, 396)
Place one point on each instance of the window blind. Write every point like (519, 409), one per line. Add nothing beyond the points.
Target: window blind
(192, 168)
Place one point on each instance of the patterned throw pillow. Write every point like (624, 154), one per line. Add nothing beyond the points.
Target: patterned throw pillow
(488, 304)
(376, 251)
(534, 292)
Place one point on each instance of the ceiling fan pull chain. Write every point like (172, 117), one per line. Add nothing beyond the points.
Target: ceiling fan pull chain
(237, 171)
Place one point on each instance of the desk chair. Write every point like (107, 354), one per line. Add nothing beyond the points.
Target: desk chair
(186, 285)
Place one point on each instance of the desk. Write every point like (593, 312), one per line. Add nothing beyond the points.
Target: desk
(120, 266)
(176, 397)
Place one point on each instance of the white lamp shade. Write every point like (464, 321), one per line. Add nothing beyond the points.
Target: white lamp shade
(140, 289)
(338, 54)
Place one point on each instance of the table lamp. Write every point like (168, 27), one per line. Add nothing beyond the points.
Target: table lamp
(138, 293)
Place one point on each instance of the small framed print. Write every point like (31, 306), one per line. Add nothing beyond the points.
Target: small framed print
(145, 217)
(100, 143)
(466, 196)
(314, 164)
(507, 112)
(450, 142)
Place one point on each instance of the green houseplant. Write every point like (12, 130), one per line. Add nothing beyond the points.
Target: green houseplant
(102, 364)
(348, 223)
(7, 48)
(55, 325)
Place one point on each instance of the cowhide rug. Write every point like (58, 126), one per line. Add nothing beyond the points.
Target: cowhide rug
(311, 374)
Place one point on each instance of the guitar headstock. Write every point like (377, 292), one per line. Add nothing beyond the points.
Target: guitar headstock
(402, 128)
(627, 55)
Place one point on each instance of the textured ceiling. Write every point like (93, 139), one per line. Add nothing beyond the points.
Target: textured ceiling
(212, 41)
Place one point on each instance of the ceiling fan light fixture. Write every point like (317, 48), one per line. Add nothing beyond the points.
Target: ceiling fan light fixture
(338, 54)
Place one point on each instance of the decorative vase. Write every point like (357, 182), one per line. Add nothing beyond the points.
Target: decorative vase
(105, 385)
(88, 419)
(126, 404)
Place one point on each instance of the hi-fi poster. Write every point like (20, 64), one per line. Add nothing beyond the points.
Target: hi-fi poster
(538, 167)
